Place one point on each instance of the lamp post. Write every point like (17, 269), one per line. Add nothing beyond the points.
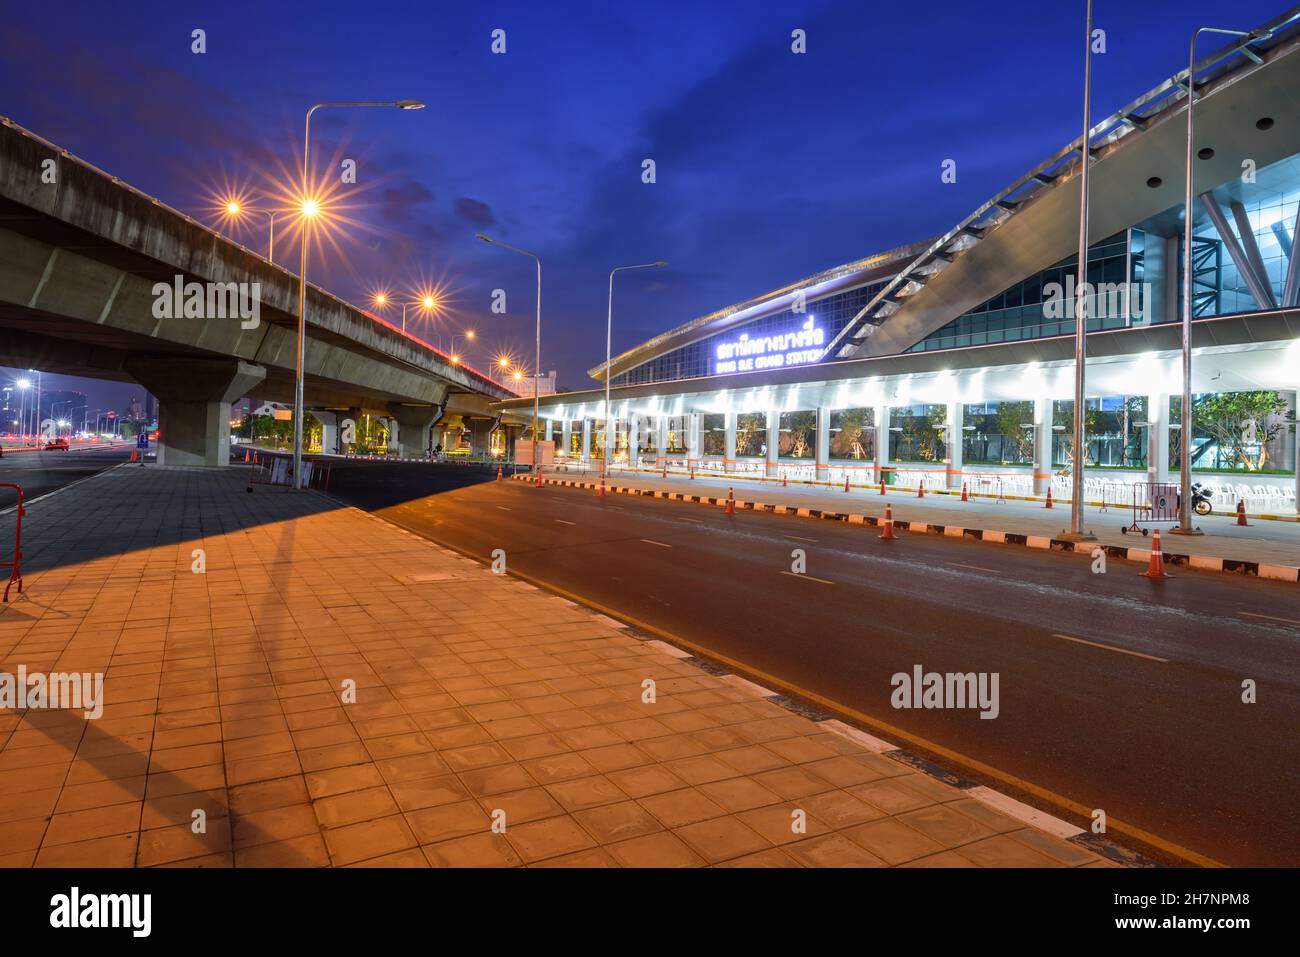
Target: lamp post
(235, 209)
(310, 209)
(537, 360)
(609, 335)
(1185, 426)
(1077, 532)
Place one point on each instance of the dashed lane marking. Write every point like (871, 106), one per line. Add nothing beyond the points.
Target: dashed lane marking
(811, 578)
(1122, 651)
(978, 568)
(564, 522)
(1251, 614)
(651, 541)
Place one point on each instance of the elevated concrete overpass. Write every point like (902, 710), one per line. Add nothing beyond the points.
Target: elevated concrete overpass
(81, 253)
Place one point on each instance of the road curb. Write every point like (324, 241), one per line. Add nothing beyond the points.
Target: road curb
(1284, 573)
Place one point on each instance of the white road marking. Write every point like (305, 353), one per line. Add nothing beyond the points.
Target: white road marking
(1122, 651)
(809, 577)
(978, 568)
(505, 509)
(798, 538)
(1251, 614)
(650, 541)
(563, 522)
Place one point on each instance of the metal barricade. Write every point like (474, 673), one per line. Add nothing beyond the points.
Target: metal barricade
(1159, 500)
(15, 566)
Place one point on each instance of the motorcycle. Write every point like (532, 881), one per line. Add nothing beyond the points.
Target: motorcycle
(1201, 503)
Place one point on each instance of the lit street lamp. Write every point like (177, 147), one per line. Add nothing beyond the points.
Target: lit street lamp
(537, 361)
(310, 210)
(235, 209)
(609, 335)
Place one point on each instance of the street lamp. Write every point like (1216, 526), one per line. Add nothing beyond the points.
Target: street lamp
(310, 210)
(1185, 438)
(537, 361)
(235, 210)
(1076, 533)
(609, 335)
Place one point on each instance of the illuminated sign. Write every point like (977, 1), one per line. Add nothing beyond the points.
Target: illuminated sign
(797, 348)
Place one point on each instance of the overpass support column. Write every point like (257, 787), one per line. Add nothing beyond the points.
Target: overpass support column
(480, 438)
(566, 438)
(329, 441)
(692, 439)
(586, 442)
(956, 419)
(882, 443)
(194, 397)
(823, 444)
(729, 441)
(348, 430)
(1042, 445)
(1157, 437)
(773, 441)
(414, 427)
(661, 440)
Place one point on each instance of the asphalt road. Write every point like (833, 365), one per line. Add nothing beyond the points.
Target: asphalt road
(1116, 692)
(41, 472)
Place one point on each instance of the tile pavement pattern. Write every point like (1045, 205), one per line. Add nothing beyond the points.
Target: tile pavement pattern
(474, 694)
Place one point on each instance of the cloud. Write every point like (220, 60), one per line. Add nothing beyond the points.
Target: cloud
(475, 213)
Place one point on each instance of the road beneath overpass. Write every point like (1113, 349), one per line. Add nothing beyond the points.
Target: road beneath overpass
(40, 472)
(1116, 693)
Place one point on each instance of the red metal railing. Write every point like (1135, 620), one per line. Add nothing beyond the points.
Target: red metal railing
(16, 574)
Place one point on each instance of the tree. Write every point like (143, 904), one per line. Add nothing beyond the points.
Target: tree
(1242, 423)
(751, 431)
(799, 425)
(854, 439)
(923, 433)
(1011, 419)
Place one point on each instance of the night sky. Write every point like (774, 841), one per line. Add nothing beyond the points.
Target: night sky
(770, 165)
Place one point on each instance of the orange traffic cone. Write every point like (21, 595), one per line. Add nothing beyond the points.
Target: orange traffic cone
(498, 473)
(1241, 512)
(1156, 566)
(1048, 503)
(846, 483)
(785, 480)
(133, 453)
(665, 475)
(600, 491)
(964, 497)
(887, 534)
(882, 486)
(731, 502)
(920, 489)
(246, 453)
(692, 473)
(539, 476)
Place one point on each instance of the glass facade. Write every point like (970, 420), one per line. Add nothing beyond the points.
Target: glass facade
(998, 433)
(798, 438)
(853, 434)
(830, 314)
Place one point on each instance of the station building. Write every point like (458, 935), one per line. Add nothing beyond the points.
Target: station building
(950, 361)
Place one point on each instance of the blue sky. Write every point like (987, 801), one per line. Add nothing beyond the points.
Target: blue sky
(770, 165)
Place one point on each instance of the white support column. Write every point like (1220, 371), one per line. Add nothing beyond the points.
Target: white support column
(566, 437)
(693, 438)
(633, 440)
(661, 440)
(882, 441)
(586, 442)
(773, 442)
(1042, 445)
(729, 441)
(1157, 437)
(823, 443)
(955, 420)
(1295, 459)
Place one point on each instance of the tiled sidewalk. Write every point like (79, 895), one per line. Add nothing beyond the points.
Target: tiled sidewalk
(475, 694)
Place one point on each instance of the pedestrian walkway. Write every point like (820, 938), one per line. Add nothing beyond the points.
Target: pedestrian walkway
(1268, 548)
(318, 687)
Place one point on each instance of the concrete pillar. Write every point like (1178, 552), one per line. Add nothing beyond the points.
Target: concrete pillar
(1157, 437)
(329, 442)
(882, 442)
(773, 441)
(586, 441)
(566, 437)
(729, 441)
(633, 440)
(823, 443)
(480, 438)
(414, 425)
(194, 397)
(349, 427)
(661, 439)
(1042, 445)
(1295, 458)
(693, 438)
(611, 437)
(955, 421)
